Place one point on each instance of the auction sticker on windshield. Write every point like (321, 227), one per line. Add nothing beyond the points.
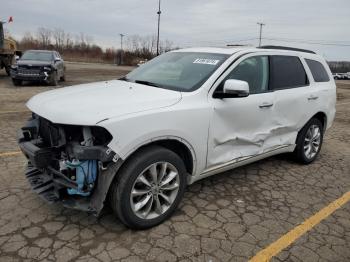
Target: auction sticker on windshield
(206, 61)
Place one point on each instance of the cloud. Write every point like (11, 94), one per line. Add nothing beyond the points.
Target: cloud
(193, 22)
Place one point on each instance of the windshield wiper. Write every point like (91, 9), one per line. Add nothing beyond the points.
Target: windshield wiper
(146, 83)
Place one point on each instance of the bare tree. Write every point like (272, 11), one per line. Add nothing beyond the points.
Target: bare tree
(60, 38)
(168, 45)
(80, 47)
(44, 36)
(69, 41)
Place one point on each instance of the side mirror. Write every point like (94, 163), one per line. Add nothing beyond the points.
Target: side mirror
(233, 88)
(57, 59)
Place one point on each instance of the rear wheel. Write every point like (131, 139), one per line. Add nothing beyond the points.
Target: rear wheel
(149, 187)
(16, 82)
(309, 141)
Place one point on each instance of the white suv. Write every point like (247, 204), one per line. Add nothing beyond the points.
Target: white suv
(183, 116)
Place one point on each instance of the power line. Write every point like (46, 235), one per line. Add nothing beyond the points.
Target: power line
(311, 40)
(218, 41)
(341, 43)
(306, 42)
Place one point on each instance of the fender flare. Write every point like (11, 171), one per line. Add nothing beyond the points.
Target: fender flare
(165, 138)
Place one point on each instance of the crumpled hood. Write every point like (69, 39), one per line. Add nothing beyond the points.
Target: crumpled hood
(89, 104)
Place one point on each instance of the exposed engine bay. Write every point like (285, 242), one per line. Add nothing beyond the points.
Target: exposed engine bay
(65, 162)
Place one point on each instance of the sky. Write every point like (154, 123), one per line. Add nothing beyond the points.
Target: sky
(319, 25)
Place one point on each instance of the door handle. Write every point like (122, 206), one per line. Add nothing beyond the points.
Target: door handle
(312, 97)
(266, 105)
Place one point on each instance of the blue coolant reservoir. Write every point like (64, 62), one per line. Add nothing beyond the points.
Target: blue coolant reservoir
(86, 173)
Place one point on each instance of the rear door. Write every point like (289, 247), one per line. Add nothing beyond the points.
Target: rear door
(295, 97)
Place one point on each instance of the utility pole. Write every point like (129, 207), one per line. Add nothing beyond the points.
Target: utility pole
(121, 48)
(260, 35)
(159, 12)
(121, 41)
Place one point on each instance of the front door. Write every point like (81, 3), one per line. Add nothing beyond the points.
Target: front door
(242, 127)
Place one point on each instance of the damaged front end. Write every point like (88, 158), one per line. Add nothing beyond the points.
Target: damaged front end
(67, 163)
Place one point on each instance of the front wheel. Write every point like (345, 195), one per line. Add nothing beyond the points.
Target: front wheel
(54, 79)
(7, 69)
(309, 141)
(149, 187)
(16, 82)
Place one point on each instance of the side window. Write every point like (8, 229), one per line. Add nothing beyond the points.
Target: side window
(318, 71)
(287, 72)
(255, 71)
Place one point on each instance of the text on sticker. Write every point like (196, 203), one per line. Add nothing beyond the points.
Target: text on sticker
(206, 61)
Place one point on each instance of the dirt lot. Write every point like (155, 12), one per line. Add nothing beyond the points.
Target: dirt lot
(228, 217)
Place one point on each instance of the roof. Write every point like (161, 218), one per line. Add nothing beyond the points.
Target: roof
(276, 47)
(235, 49)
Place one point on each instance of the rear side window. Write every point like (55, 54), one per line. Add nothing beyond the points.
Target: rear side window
(287, 72)
(318, 71)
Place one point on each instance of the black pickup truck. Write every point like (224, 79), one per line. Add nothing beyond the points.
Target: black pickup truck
(39, 65)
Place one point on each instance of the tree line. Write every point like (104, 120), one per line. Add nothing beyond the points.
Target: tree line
(339, 66)
(81, 47)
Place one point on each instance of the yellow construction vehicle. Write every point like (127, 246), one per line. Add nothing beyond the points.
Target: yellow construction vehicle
(8, 51)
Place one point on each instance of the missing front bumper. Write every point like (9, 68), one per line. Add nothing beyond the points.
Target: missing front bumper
(47, 150)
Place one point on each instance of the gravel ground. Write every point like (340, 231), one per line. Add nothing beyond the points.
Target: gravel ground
(228, 217)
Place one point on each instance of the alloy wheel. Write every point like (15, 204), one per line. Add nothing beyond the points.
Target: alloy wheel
(154, 190)
(312, 141)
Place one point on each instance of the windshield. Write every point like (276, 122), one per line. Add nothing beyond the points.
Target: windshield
(39, 56)
(180, 71)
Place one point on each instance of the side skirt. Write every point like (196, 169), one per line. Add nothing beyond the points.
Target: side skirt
(240, 162)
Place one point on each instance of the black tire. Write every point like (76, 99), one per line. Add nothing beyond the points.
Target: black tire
(121, 188)
(7, 69)
(53, 79)
(299, 151)
(63, 77)
(16, 82)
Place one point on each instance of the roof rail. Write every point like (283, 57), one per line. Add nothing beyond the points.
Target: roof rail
(286, 48)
